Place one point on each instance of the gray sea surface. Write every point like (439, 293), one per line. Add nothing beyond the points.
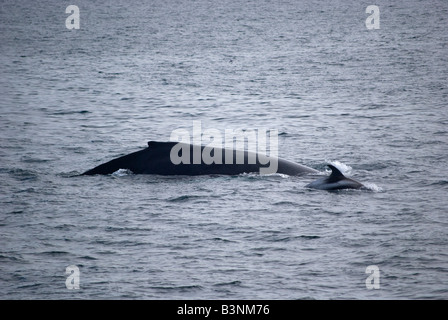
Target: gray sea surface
(375, 101)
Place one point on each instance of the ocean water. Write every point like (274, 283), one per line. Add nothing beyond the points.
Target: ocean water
(374, 101)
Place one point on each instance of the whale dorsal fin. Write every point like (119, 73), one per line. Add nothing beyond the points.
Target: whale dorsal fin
(335, 175)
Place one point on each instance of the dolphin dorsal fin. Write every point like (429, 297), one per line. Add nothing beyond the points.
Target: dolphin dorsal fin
(335, 175)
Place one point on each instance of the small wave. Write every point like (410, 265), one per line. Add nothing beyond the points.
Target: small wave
(27, 159)
(31, 285)
(88, 258)
(127, 229)
(293, 238)
(70, 174)
(221, 239)
(185, 288)
(231, 283)
(58, 113)
(22, 174)
(182, 198)
(283, 203)
(309, 237)
(440, 183)
(54, 253)
(27, 190)
(5, 258)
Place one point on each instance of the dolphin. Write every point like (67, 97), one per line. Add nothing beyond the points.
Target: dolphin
(157, 158)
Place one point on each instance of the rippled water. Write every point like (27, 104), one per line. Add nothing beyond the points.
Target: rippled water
(374, 100)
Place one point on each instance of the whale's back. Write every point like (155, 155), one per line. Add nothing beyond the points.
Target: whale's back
(157, 159)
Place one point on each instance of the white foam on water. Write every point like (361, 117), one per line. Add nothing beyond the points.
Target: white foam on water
(344, 168)
(122, 173)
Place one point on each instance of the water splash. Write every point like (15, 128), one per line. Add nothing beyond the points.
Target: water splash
(344, 168)
(373, 187)
(122, 173)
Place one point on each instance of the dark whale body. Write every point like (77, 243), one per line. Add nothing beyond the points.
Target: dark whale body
(155, 159)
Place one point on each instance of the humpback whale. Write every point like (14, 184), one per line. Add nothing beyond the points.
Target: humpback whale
(158, 158)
